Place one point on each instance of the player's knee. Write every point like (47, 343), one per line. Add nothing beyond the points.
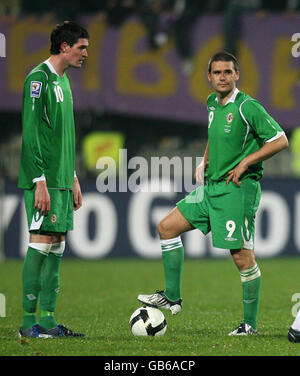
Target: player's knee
(166, 230)
(161, 228)
(243, 258)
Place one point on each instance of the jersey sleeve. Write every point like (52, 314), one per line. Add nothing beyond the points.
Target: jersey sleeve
(263, 125)
(34, 101)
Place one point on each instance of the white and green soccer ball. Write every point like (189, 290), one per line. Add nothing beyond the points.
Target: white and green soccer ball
(148, 321)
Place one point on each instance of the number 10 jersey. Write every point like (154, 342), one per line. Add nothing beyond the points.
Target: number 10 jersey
(48, 135)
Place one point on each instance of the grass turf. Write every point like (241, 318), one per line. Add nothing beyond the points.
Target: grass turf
(98, 297)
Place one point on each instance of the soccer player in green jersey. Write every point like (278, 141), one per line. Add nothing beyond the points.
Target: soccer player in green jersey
(48, 178)
(241, 134)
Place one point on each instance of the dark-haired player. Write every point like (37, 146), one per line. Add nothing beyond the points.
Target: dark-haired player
(47, 176)
(241, 134)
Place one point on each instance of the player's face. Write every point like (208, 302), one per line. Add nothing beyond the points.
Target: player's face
(223, 77)
(77, 54)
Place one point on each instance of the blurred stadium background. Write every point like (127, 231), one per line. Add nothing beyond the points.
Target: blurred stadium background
(144, 89)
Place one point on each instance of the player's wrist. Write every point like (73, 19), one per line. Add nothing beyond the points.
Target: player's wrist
(245, 164)
(41, 184)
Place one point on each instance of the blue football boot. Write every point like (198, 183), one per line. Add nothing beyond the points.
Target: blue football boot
(62, 331)
(36, 331)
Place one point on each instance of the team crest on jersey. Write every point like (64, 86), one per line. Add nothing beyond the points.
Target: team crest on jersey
(53, 218)
(229, 117)
(35, 89)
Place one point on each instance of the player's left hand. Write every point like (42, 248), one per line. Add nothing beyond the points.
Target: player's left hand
(235, 174)
(77, 194)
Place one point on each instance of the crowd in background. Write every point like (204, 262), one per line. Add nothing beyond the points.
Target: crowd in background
(117, 10)
(162, 18)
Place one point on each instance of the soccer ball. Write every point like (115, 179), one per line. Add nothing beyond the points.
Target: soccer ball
(148, 321)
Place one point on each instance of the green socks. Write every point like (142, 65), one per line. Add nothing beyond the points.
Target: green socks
(49, 290)
(40, 277)
(251, 281)
(173, 257)
(47, 319)
(31, 275)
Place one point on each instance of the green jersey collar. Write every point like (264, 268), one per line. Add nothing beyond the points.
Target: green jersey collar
(232, 98)
(50, 66)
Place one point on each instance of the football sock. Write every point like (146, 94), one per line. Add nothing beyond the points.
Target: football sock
(49, 290)
(29, 319)
(251, 281)
(173, 257)
(31, 275)
(47, 319)
(296, 323)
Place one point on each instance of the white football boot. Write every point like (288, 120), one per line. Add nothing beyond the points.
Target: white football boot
(243, 330)
(159, 300)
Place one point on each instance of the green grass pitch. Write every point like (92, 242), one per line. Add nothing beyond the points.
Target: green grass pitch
(98, 297)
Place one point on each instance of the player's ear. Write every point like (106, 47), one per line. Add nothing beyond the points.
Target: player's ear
(237, 75)
(64, 47)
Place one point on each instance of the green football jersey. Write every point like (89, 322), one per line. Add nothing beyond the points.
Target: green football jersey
(235, 130)
(48, 135)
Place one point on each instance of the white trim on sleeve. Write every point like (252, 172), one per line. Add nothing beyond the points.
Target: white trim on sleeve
(278, 135)
(40, 178)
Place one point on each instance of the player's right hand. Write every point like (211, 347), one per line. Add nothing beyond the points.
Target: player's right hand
(42, 198)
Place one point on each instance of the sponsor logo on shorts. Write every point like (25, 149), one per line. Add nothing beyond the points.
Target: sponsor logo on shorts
(230, 239)
(37, 220)
(37, 216)
(53, 218)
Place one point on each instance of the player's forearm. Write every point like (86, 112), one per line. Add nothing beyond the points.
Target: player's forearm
(205, 156)
(77, 195)
(267, 151)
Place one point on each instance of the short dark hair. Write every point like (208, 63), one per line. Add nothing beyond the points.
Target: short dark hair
(68, 32)
(223, 56)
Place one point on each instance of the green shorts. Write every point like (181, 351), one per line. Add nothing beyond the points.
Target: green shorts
(60, 216)
(228, 211)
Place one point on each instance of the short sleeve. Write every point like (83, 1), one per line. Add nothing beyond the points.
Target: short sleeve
(263, 125)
